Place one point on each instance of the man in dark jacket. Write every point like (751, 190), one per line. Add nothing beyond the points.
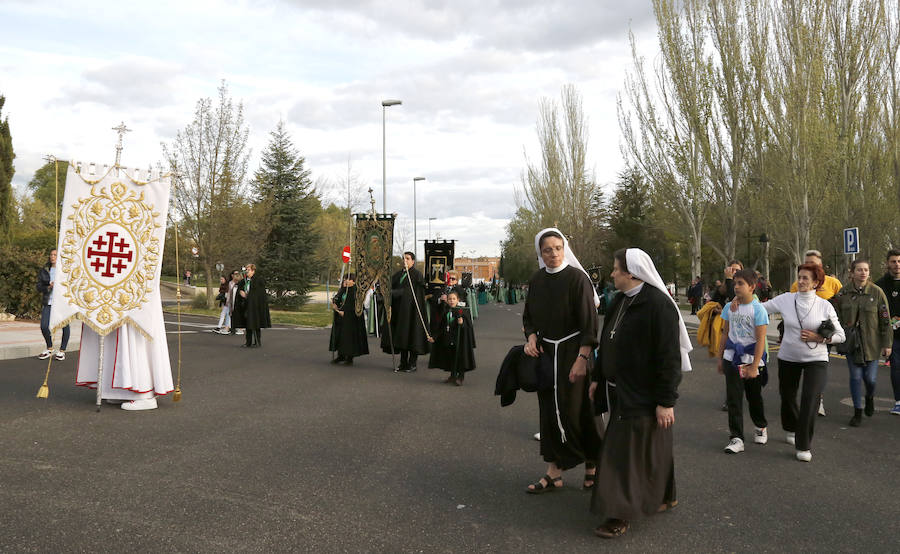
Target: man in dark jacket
(46, 281)
(251, 309)
(890, 284)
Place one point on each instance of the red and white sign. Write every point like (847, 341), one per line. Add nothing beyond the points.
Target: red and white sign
(345, 255)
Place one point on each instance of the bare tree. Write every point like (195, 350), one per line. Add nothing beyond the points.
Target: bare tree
(209, 158)
(560, 188)
(665, 124)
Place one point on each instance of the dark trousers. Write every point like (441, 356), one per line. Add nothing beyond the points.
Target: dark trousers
(408, 358)
(45, 330)
(800, 420)
(735, 390)
(254, 336)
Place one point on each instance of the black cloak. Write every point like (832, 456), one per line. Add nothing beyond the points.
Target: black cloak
(454, 344)
(406, 330)
(251, 312)
(348, 332)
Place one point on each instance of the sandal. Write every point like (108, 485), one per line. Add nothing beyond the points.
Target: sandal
(541, 488)
(667, 506)
(612, 528)
(589, 477)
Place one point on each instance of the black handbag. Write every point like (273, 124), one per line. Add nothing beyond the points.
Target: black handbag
(852, 344)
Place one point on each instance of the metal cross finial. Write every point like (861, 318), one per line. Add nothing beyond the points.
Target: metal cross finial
(121, 129)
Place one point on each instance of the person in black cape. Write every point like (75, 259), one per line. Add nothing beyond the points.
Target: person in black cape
(251, 308)
(560, 322)
(348, 330)
(453, 349)
(640, 359)
(407, 316)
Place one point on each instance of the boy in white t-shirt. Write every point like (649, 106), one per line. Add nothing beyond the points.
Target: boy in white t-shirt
(742, 359)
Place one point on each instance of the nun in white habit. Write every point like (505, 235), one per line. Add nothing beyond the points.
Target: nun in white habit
(643, 350)
(561, 323)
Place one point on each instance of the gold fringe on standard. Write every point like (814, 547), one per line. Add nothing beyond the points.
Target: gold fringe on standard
(176, 396)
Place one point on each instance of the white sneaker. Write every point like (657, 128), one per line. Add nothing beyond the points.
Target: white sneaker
(60, 355)
(761, 436)
(239, 332)
(804, 455)
(537, 436)
(790, 438)
(44, 355)
(822, 408)
(143, 404)
(735, 445)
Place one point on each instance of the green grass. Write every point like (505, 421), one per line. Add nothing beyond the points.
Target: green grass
(310, 315)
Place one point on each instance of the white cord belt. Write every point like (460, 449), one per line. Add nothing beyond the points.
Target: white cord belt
(556, 344)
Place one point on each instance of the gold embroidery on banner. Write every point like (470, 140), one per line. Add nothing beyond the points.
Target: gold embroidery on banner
(108, 304)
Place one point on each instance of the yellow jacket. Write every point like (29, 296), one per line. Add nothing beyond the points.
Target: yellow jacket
(709, 333)
(831, 287)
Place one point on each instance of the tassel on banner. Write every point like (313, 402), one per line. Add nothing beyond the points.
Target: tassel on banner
(44, 391)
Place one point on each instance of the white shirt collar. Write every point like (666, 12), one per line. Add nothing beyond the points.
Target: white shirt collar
(560, 267)
(634, 290)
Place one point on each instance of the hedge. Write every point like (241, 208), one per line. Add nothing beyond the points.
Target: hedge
(19, 269)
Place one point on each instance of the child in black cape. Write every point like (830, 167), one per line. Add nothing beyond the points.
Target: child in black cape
(454, 341)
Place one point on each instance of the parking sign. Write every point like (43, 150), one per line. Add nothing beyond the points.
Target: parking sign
(851, 240)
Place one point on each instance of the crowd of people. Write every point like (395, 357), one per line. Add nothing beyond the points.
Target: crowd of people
(607, 392)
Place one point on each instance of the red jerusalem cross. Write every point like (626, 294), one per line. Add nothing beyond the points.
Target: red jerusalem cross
(109, 254)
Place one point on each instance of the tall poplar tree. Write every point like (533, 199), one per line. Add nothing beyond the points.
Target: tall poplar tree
(7, 210)
(288, 258)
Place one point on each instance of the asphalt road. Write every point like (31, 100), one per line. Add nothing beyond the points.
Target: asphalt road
(275, 449)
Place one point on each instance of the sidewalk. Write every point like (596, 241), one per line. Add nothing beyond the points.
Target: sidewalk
(23, 339)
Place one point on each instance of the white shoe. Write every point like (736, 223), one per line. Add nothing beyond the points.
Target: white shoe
(239, 332)
(735, 445)
(45, 354)
(790, 438)
(60, 355)
(804, 455)
(537, 436)
(143, 404)
(761, 436)
(822, 408)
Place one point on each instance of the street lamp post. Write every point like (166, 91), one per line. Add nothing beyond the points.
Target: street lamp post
(384, 106)
(415, 242)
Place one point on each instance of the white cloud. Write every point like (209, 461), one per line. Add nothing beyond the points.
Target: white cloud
(470, 74)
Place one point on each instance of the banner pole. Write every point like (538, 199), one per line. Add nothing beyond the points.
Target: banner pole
(100, 373)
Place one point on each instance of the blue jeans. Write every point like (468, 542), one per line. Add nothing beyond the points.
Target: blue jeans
(859, 374)
(45, 330)
(895, 369)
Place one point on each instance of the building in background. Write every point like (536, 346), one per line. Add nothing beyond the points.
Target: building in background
(483, 268)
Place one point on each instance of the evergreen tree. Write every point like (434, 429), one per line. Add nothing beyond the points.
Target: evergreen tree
(288, 256)
(7, 210)
(629, 213)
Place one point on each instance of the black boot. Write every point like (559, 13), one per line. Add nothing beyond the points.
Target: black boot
(870, 406)
(856, 420)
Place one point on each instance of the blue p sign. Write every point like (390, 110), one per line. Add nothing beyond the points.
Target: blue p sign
(851, 240)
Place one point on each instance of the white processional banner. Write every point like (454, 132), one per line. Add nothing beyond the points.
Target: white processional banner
(110, 251)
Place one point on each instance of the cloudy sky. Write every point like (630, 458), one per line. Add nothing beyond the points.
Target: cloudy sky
(470, 73)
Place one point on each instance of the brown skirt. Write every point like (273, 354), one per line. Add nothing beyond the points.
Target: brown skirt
(636, 472)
